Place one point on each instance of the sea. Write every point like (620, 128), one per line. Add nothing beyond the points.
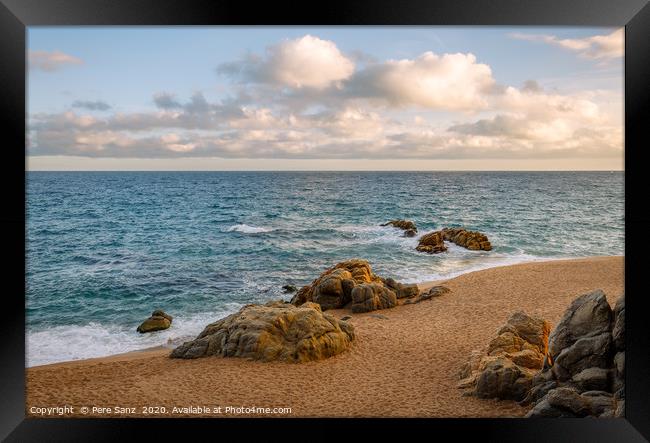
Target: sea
(105, 249)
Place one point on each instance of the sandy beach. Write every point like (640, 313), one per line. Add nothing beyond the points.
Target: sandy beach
(404, 365)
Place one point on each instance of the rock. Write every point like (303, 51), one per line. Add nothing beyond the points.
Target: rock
(371, 297)
(407, 226)
(379, 316)
(510, 361)
(345, 318)
(538, 391)
(289, 289)
(435, 291)
(161, 313)
(335, 287)
(600, 402)
(587, 316)
(472, 240)
(502, 378)
(618, 331)
(569, 401)
(592, 379)
(158, 321)
(274, 331)
(582, 376)
(402, 290)
(620, 409)
(619, 372)
(532, 330)
(431, 243)
(585, 353)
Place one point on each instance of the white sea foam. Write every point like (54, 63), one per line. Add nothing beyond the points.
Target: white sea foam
(486, 262)
(65, 343)
(247, 229)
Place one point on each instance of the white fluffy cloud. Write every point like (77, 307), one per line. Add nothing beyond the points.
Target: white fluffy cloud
(449, 81)
(51, 61)
(306, 62)
(606, 46)
(305, 99)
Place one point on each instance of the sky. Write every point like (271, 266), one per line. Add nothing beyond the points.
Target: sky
(325, 98)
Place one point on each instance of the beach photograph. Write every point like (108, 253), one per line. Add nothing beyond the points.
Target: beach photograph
(350, 222)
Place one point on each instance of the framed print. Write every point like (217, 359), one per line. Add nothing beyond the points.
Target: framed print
(418, 214)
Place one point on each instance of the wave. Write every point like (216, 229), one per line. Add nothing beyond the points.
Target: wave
(247, 229)
(457, 268)
(78, 342)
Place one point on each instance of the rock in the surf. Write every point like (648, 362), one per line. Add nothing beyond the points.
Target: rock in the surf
(334, 288)
(288, 289)
(274, 331)
(158, 321)
(431, 243)
(409, 228)
(471, 240)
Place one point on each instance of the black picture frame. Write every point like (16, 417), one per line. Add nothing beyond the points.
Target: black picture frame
(16, 15)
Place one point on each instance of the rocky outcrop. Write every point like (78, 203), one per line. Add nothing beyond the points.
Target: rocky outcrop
(158, 321)
(274, 331)
(435, 291)
(402, 290)
(584, 371)
(505, 369)
(407, 226)
(354, 282)
(368, 297)
(431, 243)
(333, 289)
(288, 289)
(471, 240)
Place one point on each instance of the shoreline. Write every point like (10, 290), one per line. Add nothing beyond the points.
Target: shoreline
(403, 363)
(424, 285)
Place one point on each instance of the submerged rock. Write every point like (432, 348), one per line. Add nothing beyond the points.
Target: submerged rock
(510, 361)
(158, 321)
(289, 289)
(407, 226)
(274, 331)
(431, 243)
(471, 240)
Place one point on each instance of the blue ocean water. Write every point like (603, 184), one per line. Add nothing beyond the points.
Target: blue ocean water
(104, 249)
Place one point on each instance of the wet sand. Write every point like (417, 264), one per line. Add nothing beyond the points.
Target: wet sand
(405, 365)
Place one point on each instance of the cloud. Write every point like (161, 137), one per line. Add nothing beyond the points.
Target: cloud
(312, 70)
(306, 62)
(51, 61)
(164, 100)
(595, 47)
(96, 105)
(432, 106)
(448, 82)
